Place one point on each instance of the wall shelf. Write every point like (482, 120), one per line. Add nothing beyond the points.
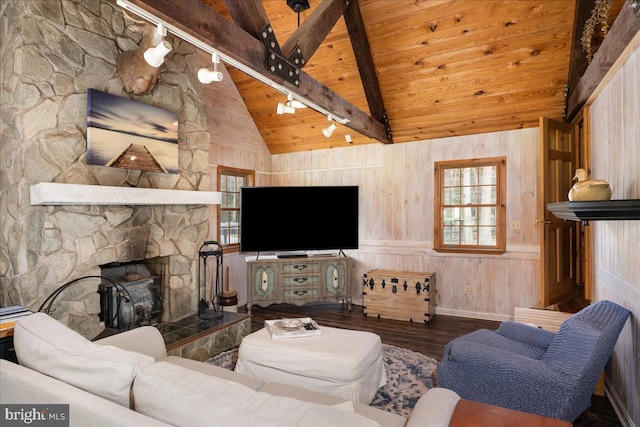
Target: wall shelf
(55, 193)
(604, 210)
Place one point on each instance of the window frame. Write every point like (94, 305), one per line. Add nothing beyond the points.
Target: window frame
(249, 176)
(501, 205)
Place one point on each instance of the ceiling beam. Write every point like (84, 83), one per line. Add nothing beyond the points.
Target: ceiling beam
(623, 30)
(314, 29)
(248, 15)
(251, 16)
(578, 60)
(368, 75)
(201, 22)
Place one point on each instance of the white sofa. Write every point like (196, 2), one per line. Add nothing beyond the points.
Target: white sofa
(128, 380)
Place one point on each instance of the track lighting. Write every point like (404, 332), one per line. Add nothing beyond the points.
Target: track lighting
(207, 76)
(155, 55)
(290, 106)
(328, 131)
(285, 108)
(294, 102)
(182, 34)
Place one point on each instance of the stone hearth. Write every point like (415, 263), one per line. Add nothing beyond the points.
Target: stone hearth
(194, 338)
(198, 339)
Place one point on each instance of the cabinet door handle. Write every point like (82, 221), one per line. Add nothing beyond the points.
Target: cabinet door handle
(300, 279)
(299, 292)
(300, 267)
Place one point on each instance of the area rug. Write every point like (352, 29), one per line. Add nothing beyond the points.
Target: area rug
(409, 376)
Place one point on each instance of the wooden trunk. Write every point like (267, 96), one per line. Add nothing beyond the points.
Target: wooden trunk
(399, 295)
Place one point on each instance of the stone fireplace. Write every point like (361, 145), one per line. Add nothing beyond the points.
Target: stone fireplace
(55, 51)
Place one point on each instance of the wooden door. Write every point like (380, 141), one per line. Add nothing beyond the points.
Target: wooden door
(558, 238)
(584, 261)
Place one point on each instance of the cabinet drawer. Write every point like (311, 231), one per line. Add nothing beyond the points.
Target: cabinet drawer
(300, 267)
(301, 296)
(300, 280)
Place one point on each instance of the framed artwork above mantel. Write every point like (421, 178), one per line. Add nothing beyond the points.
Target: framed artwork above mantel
(127, 134)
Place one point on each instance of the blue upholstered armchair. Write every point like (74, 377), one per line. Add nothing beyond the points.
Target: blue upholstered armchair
(532, 370)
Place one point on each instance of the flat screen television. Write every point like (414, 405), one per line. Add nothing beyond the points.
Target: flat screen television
(297, 219)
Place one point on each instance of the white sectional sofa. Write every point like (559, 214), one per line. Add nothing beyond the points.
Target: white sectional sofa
(128, 380)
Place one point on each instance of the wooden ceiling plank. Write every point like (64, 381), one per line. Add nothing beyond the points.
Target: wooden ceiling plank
(624, 28)
(511, 19)
(205, 24)
(526, 102)
(313, 30)
(495, 40)
(360, 42)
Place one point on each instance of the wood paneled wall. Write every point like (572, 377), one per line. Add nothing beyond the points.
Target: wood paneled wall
(396, 218)
(236, 143)
(615, 139)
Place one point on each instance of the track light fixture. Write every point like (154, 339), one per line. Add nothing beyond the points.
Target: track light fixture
(294, 103)
(290, 107)
(285, 108)
(155, 55)
(328, 131)
(207, 76)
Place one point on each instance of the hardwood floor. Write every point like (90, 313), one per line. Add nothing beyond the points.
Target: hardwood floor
(426, 339)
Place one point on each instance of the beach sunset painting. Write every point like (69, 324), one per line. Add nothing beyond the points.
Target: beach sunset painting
(123, 133)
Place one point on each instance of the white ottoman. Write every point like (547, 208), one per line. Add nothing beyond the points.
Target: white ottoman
(340, 362)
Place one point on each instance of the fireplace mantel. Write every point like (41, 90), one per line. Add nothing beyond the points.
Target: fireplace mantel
(54, 193)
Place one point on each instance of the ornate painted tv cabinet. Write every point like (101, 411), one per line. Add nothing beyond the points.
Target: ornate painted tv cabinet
(299, 281)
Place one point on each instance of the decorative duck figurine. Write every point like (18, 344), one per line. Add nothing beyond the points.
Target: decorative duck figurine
(588, 189)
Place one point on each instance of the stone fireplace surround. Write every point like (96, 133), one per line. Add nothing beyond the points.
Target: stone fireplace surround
(55, 51)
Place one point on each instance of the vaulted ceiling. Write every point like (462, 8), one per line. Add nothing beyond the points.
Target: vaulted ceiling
(443, 67)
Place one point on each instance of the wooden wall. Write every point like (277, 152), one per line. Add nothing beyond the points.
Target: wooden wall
(396, 218)
(236, 143)
(615, 138)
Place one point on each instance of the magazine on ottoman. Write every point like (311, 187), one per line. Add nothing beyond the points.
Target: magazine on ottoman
(292, 328)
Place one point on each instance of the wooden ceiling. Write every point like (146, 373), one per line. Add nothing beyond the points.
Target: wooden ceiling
(444, 68)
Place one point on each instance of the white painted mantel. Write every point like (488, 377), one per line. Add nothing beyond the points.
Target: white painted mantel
(55, 193)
